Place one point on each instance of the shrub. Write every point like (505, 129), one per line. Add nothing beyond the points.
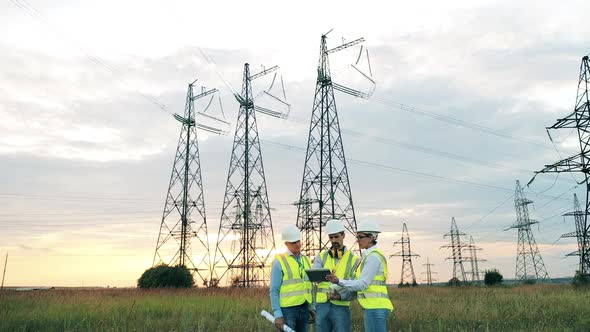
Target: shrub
(164, 276)
(493, 277)
(581, 279)
(454, 282)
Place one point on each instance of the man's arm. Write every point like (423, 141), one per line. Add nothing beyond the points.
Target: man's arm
(370, 270)
(276, 280)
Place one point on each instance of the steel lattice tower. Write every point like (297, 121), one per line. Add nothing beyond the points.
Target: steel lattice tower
(407, 272)
(579, 119)
(529, 263)
(457, 248)
(246, 210)
(325, 189)
(475, 274)
(428, 272)
(184, 223)
(578, 234)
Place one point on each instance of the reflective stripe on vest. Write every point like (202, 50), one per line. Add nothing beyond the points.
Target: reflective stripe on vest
(296, 287)
(375, 296)
(343, 271)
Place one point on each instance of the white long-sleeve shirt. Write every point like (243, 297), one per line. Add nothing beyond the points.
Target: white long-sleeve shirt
(372, 267)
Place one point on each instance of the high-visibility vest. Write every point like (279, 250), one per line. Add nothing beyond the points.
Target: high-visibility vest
(375, 296)
(344, 270)
(296, 287)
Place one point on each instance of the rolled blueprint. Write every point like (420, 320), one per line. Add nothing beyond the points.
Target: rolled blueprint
(271, 318)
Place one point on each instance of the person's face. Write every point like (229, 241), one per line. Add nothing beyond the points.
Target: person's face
(294, 247)
(364, 240)
(337, 238)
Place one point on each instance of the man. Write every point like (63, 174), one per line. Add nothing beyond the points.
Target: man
(334, 315)
(290, 289)
(370, 279)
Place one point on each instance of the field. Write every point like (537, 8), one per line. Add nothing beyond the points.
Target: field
(524, 308)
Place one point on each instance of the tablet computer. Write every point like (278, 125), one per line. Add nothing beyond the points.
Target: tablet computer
(317, 275)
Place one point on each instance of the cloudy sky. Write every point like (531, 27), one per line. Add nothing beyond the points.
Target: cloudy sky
(86, 149)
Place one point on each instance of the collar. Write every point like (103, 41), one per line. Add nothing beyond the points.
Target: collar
(369, 250)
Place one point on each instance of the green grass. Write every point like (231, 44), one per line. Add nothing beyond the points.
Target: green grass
(524, 308)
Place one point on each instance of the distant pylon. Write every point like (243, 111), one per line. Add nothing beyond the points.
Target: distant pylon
(580, 162)
(325, 188)
(407, 271)
(456, 247)
(475, 273)
(529, 263)
(429, 272)
(578, 234)
(246, 210)
(184, 219)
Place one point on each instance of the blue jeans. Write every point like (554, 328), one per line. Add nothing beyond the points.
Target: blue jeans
(296, 317)
(332, 318)
(376, 320)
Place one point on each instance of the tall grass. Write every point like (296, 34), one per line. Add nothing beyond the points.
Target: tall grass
(524, 308)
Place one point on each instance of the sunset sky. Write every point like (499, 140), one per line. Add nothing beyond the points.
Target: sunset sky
(86, 152)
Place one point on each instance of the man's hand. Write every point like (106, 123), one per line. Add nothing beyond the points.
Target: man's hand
(332, 278)
(279, 323)
(335, 295)
(312, 318)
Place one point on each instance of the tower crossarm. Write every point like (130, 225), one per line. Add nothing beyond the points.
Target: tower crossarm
(264, 72)
(346, 45)
(570, 164)
(522, 224)
(203, 94)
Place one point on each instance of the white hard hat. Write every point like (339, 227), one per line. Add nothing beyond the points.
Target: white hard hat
(334, 226)
(368, 227)
(291, 234)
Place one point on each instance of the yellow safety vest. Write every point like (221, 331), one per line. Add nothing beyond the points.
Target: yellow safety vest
(375, 296)
(344, 270)
(296, 287)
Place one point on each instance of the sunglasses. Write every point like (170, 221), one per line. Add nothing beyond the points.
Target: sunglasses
(336, 236)
(359, 237)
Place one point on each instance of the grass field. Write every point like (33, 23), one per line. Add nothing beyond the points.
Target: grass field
(524, 308)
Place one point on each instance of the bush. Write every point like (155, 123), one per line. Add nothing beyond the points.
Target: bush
(454, 282)
(581, 279)
(164, 276)
(493, 277)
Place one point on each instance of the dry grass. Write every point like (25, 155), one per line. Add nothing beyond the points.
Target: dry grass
(525, 308)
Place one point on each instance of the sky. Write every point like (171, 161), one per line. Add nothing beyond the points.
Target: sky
(87, 141)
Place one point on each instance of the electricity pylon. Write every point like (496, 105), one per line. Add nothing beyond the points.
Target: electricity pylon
(184, 223)
(578, 233)
(429, 272)
(325, 188)
(245, 217)
(475, 273)
(407, 272)
(579, 119)
(529, 263)
(456, 248)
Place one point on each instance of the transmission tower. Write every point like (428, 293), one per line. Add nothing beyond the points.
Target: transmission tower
(475, 273)
(456, 247)
(325, 188)
(406, 254)
(184, 223)
(529, 263)
(246, 211)
(578, 234)
(579, 119)
(428, 272)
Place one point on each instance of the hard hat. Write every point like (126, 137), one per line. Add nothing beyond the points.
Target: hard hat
(334, 226)
(368, 227)
(291, 234)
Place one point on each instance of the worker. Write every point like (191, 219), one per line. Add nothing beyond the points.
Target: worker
(290, 289)
(370, 278)
(334, 315)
